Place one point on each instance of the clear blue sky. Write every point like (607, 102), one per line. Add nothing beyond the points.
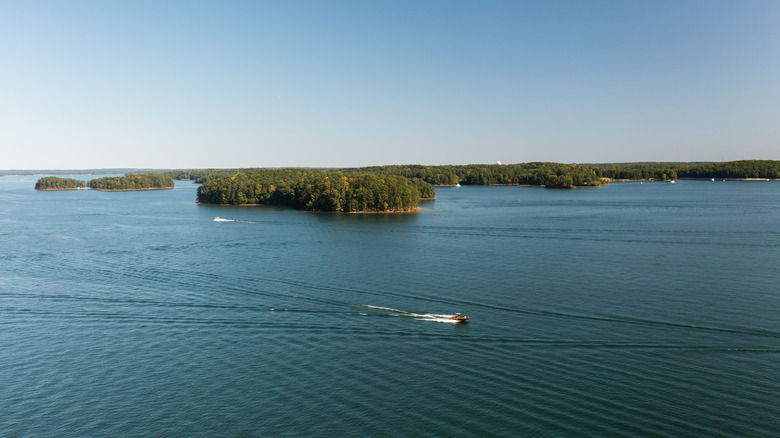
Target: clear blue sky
(192, 84)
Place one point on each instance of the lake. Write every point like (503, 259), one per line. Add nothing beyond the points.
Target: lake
(634, 309)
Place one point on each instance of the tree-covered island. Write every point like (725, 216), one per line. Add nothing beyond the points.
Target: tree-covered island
(147, 181)
(151, 181)
(57, 183)
(317, 190)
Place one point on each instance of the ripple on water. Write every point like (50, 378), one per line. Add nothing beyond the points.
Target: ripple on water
(600, 313)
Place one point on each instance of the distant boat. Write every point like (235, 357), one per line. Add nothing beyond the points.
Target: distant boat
(219, 219)
(458, 317)
(457, 185)
(672, 181)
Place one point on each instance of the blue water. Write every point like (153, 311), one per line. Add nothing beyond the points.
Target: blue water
(629, 310)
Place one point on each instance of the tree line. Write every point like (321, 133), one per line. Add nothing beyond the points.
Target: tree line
(552, 175)
(317, 190)
(559, 175)
(670, 171)
(638, 171)
(540, 173)
(734, 169)
(200, 176)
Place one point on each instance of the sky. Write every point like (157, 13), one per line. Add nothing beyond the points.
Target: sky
(339, 83)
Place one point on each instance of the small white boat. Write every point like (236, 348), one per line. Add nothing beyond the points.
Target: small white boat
(219, 219)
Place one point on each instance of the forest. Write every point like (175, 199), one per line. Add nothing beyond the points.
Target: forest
(552, 175)
(199, 176)
(57, 183)
(317, 190)
(742, 169)
(148, 181)
(767, 169)
(638, 171)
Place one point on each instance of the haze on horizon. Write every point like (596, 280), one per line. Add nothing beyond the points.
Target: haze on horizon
(304, 83)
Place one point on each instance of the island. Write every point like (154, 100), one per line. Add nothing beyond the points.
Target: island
(151, 181)
(318, 190)
(56, 183)
(147, 181)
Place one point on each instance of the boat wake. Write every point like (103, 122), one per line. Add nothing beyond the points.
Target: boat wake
(434, 317)
(219, 219)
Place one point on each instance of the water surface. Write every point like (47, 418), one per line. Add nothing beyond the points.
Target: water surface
(628, 310)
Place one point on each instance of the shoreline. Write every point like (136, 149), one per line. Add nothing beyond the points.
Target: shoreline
(692, 179)
(414, 210)
(132, 190)
(66, 188)
(519, 185)
(105, 190)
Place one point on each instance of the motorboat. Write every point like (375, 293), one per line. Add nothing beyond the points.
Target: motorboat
(459, 317)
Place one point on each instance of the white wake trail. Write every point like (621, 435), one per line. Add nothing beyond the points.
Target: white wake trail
(434, 317)
(220, 219)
